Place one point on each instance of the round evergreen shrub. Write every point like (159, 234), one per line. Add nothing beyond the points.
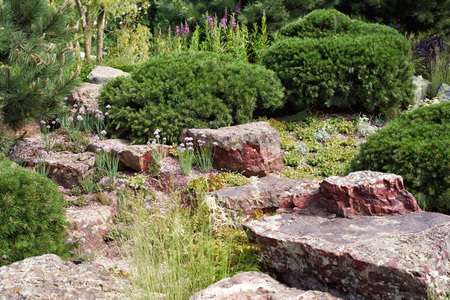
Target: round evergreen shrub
(175, 91)
(32, 212)
(329, 60)
(416, 146)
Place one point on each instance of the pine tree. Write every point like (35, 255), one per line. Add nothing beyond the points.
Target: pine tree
(36, 59)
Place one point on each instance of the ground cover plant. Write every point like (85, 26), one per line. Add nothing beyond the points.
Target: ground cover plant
(329, 60)
(176, 91)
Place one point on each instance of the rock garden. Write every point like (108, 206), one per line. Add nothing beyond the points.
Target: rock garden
(216, 174)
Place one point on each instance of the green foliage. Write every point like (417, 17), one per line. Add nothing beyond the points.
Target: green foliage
(415, 146)
(330, 60)
(176, 91)
(31, 215)
(35, 59)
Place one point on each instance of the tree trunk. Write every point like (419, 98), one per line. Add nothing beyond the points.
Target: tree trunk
(100, 31)
(88, 35)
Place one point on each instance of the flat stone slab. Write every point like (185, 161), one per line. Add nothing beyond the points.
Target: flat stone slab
(256, 286)
(367, 257)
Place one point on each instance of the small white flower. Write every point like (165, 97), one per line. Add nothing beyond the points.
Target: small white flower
(83, 240)
(108, 106)
(203, 135)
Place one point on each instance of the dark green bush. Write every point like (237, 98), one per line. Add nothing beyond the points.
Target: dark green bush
(176, 91)
(416, 146)
(31, 215)
(330, 60)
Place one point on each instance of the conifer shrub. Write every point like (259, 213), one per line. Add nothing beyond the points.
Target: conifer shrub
(31, 215)
(175, 91)
(329, 60)
(416, 145)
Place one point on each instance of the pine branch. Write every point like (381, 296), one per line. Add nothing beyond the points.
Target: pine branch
(55, 16)
(29, 12)
(75, 75)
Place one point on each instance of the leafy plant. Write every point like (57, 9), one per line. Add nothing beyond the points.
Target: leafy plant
(176, 91)
(32, 213)
(316, 59)
(415, 146)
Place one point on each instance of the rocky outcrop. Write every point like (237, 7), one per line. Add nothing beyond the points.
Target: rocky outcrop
(65, 168)
(48, 277)
(91, 223)
(359, 193)
(443, 92)
(102, 74)
(255, 286)
(261, 194)
(87, 94)
(366, 193)
(366, 257)
(253, 148)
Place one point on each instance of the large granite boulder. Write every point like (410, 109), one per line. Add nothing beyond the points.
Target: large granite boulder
(263, 194)
(255, 286)
(253, 148)
(366, 257)
(48, 277)
(443, 92)
(101, 74)
(366, 193)
(65, 168)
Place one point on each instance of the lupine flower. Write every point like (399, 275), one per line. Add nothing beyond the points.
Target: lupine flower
(79, 118)
(169, 29)
(177, 30)
(233, 21)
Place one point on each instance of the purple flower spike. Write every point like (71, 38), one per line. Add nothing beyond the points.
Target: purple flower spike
(177, 30)
(186, 28)
(238, 8)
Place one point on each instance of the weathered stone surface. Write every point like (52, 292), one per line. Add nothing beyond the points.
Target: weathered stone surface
(367, 193)
(48, 277)
(255, 286)
(422, 87)
(253, 148)
(367, 257)
(305, 197)
(87, 93)
(102, 74)
(65, 167)
(263, 193)
(91, 222)
(138, 157)
(443, 92)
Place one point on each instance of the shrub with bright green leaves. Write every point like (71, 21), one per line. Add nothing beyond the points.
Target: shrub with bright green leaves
(329, 60)
(416, 146)
(32, 212)
(175, 91)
